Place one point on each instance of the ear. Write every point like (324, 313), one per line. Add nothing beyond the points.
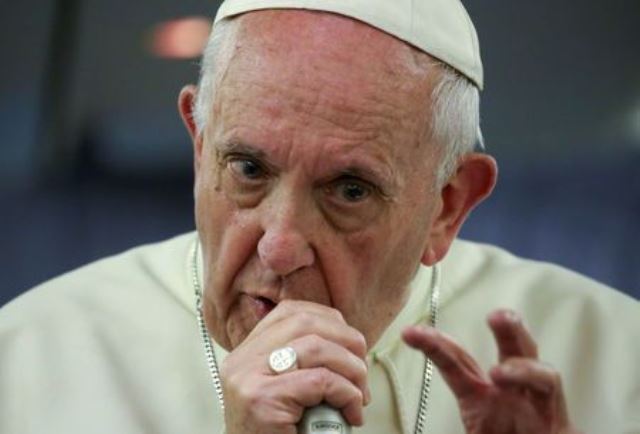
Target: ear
(186, 102)
(473, 181)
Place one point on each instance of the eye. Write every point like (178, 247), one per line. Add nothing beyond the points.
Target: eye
(350, 190)
(353, 191)
(350, 203)
(247, 168)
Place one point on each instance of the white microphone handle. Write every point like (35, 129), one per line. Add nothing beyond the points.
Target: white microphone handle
(323, 419)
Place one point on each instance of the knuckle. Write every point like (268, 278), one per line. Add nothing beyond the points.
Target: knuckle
(556, 380)
(352, 396)
(287, 307)
(364, 368)
(359, 342)
(313, 345)
(360, 367)
(320, 378)
(246, 392)
(309, 347)
(304, 320)
(355, 396)
(336, 314)
(313, 339)
(553, 377)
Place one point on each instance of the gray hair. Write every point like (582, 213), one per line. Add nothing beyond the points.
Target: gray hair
(217, 52)
(456, 119)
(455, 101)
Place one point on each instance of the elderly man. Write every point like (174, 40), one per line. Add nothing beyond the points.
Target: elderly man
(334, 161)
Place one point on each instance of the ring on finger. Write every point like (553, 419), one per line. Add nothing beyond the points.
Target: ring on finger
(282, 360)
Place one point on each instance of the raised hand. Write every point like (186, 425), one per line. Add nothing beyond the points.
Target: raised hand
(520, 395)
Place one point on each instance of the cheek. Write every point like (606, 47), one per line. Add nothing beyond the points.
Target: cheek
(228, 242)
(351, 266)
(393, 255)
(211, 213)
(370, 277)
(219, 221)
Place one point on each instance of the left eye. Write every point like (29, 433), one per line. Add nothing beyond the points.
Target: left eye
(247, 168)
(352, 190)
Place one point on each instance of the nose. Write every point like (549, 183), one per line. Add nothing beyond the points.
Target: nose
(283, 248)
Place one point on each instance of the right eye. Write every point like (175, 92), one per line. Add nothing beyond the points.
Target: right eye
(350, 191)
(246, 169)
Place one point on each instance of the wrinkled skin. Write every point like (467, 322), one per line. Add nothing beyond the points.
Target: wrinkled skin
(519, 395)
(316, 202)
(304, 179)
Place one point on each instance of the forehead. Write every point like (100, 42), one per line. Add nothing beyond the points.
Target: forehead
(350, 47)
(327, 32)
(332, 74)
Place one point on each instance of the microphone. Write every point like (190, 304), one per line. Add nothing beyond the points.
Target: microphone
(323, 419)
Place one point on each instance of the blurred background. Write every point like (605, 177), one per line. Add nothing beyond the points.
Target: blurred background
(94, 158)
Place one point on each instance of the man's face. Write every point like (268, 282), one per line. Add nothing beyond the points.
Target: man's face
(313, 178)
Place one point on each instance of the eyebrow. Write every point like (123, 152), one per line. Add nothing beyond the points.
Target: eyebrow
(236, 146)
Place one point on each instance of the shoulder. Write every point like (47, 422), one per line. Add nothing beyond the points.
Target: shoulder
(108, 330)
(144, 275)
(568, 313)
(470, 266)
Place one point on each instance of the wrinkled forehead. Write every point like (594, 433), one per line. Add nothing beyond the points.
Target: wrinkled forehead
(296, 42)
(316, 80)
(323, 33)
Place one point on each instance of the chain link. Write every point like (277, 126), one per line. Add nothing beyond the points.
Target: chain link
(423, 405)
(212, 363)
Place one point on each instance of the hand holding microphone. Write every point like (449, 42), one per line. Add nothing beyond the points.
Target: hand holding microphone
(301, 370)
(320, 419)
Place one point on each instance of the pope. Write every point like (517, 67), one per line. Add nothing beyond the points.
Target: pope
(336, 157)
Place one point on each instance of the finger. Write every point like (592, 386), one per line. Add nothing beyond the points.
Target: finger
(527, 373)
(511, 336)
(286, 308)
(310, 387)
(542, 381)
(457, 367)
(313, 351)
(296, 319)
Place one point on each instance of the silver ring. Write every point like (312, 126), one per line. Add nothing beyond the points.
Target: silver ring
(283, 359)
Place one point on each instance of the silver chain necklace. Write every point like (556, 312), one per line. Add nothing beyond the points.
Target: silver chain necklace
(212, 363)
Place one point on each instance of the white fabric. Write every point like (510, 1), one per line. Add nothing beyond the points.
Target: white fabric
(114, 347)
(441, 28)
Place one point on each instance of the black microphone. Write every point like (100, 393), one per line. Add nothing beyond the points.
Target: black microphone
(323, 419)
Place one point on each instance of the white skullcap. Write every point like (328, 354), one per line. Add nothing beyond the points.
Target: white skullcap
(441, 28)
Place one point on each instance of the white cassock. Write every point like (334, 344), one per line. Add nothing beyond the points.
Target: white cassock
(114, 347)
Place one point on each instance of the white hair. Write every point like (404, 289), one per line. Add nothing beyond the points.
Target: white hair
(456, 119)
(217, 52)
(455, 101)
